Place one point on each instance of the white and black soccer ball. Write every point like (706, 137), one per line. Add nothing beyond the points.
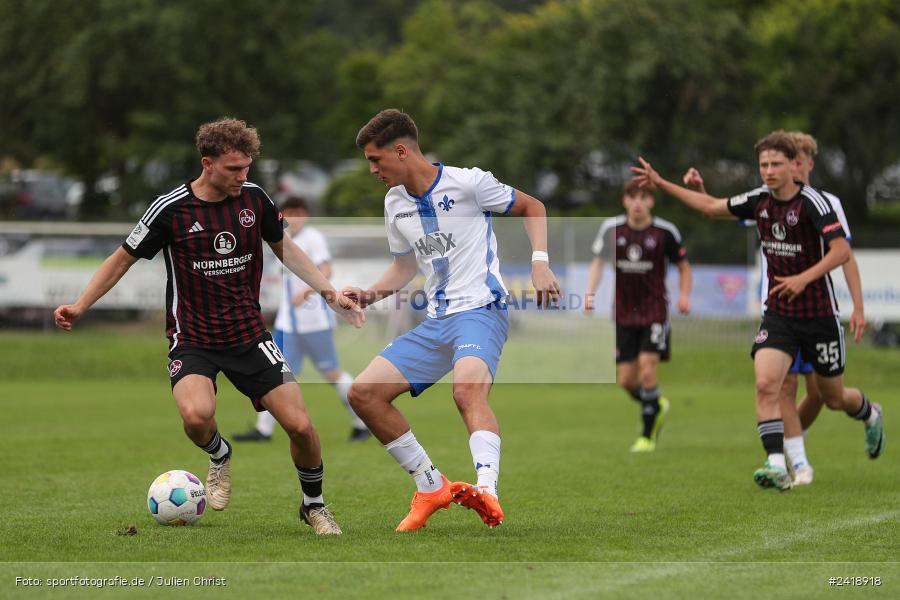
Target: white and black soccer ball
(176, 498)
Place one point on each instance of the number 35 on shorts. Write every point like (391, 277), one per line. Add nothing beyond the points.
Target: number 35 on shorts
(828, 353)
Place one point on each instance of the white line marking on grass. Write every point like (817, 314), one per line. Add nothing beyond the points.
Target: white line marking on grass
(723, 556)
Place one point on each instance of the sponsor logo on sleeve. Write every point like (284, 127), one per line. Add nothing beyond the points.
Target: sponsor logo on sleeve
(738, 200)
(137, 235)
(832, 227)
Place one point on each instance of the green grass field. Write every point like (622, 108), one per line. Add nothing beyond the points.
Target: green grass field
(88, 422)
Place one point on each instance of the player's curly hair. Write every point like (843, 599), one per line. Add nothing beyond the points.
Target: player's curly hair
(227, 135)
(779, 140)
(385, 127)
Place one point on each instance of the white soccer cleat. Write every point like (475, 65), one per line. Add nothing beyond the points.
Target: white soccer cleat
(803, 475)
(218, 484)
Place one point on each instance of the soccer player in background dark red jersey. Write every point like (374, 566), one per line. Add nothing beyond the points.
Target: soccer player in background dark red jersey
(640, 248)
(796, 223)
(210, 231)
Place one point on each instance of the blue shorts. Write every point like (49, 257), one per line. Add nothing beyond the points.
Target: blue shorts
(427, 352)
(801, 366)
(318, 346)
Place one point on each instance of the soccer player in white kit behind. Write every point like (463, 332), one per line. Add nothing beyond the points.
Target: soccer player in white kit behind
(438, 220)
(303, 325)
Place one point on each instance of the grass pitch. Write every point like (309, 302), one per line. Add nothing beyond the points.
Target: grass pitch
(89, 422)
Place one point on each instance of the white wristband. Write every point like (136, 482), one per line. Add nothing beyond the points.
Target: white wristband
(540, 255)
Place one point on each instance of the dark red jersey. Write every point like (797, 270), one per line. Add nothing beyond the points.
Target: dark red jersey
(641, 259)
(794, 236)
(214, 262)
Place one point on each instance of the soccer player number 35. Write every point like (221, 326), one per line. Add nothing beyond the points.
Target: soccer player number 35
(828, 353)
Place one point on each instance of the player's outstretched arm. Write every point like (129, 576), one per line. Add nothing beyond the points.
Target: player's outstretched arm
(792, 286)
(686, 282)
(647, 176)
(595, 276)
(396, 277)
(106, 277)
(854, 283)
(300, 265)
(543, 279)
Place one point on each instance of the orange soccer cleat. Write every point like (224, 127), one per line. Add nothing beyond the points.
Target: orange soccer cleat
(425, 504)
(486, 505)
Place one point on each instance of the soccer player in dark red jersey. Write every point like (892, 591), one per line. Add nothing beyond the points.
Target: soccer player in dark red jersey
(797, 419)
(211, 231)
(641, 246)
(796, 224)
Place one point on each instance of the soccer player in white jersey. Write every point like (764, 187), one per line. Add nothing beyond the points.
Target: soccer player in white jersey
(304, 326)
(797, 420)
(438, 219)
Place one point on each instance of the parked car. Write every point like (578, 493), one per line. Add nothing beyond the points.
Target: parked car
(33, 194)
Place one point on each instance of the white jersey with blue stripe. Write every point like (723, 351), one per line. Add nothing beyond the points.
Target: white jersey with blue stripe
(450, 231)
(313, 315)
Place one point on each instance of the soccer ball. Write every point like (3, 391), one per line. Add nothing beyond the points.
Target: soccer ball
(176, 498)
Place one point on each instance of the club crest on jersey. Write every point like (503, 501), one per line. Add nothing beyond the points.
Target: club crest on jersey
(621, 241)
(650, 243)
(792, 218)
(762, 336)
(446, 204)
(634, 253)
(435, 242)
(779, 231)
(174, 367)
(247, 218)
(224, 243)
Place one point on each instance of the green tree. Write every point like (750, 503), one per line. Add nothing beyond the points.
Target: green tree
(605, 76)
(832, 68)
(356, 193)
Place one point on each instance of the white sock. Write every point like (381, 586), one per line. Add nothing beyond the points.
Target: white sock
(265, 423)
(217, 447)
(410, 455)
(796, 452)
(777, 460)
(485, 447)
(224, 449)
(342, 385)
(307, 500)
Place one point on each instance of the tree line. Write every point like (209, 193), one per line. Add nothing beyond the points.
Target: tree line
(555, 97)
